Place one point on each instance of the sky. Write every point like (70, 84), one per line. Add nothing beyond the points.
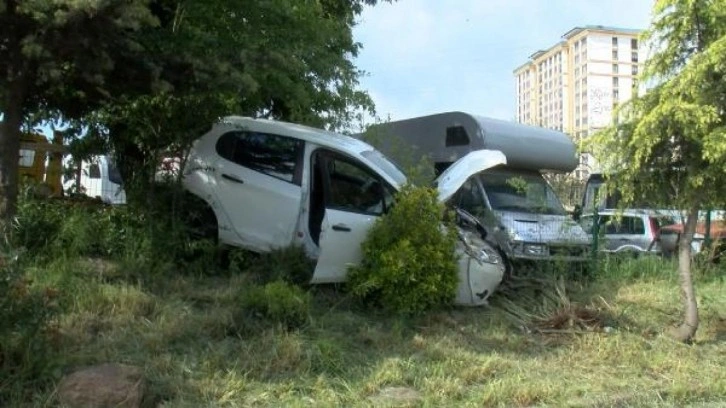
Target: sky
(428, 56)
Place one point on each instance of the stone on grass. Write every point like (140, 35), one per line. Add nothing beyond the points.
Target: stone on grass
(396, 396)
(105, 385)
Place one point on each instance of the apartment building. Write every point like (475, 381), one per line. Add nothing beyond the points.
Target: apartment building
(574, 85)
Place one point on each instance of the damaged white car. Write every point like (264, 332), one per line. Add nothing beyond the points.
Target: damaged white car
(272, 184)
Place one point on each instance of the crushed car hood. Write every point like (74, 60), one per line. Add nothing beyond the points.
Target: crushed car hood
(456, 175)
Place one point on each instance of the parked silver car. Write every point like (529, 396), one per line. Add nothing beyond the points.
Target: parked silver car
(628, 231)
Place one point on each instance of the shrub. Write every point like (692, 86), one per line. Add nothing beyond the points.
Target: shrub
(409, 263)
(277, 302)
(147, 238)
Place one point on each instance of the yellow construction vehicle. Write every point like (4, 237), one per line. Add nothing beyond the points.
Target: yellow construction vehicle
(41, 163)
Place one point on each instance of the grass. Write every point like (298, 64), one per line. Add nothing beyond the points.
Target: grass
(594, 344)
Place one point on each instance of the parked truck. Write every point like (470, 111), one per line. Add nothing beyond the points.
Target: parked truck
(523, 216)
(40, 163)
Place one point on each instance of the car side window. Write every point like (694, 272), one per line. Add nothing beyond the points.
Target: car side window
(609, 224)
(274, 155)
(623, 225)
(354, 188)
(633, 225)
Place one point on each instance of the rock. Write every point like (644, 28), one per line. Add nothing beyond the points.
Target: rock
(396, 396)
(105, 385)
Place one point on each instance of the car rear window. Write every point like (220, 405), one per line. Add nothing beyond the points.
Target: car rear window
(274, 155)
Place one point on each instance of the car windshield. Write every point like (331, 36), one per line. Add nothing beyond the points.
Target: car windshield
(385, 165)
(520, 191)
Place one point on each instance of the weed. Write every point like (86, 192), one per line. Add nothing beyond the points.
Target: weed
(289, 264)
(27, 332)
(276, 302)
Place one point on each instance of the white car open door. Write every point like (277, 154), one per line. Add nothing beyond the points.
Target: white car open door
(355, 197)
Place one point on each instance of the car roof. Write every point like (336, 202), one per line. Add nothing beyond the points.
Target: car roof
(320, 137)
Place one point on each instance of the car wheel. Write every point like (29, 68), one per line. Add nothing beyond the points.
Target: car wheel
(200, 221)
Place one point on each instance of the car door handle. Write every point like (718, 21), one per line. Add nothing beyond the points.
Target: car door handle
(232, 178)
(341, 227)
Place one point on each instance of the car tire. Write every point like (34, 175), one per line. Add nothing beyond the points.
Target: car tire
(200, 221)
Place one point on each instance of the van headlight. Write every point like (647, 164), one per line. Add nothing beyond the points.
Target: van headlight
(513, 235)
(535, 249)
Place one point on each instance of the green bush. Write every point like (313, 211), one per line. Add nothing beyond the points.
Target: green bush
(277, 302)
(148, 239)
(409, 263)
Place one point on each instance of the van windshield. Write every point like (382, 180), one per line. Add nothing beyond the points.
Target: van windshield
(520, 191)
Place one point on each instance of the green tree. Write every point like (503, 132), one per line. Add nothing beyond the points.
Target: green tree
(148, 75)
(57, 56)
(281, 59)
(669, 145)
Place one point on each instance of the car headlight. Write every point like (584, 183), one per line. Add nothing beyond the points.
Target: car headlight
(489, 256)
(478, 249)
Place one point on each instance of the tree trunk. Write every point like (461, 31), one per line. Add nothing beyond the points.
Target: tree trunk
(14, 80)
(9, 157)
(687, 329)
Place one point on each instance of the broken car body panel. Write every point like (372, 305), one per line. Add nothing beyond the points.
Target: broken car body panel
(272, 184)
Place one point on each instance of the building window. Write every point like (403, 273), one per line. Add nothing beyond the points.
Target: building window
(615, 41)
(615, 68)
(635, 84)
(634, 43)
(584, 82)
(616, 94)
(634, 56)
(616, 82)
(635, 69)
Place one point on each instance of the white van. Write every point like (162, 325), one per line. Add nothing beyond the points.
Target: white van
(521, 212)
(99, 178)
